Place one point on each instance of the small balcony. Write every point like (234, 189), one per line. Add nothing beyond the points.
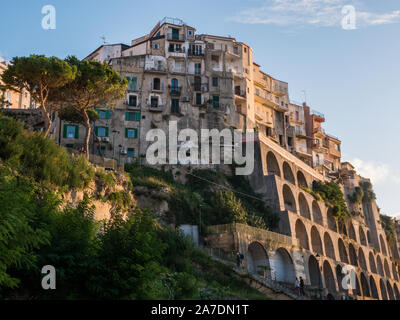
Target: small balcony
(133, 107)
(195, 53)
(156, 69)
(176, 37)
(155, 107)
(175, 91)
(241, 94)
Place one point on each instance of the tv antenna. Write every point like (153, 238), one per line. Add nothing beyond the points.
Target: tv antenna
(305, 95)
(103, 38)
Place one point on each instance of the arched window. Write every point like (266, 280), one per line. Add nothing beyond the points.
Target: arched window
(301, 234)
(272, 165)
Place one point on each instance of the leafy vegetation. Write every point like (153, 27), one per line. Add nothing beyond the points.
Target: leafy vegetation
(333, 196)
(389, 227)
(124, 258)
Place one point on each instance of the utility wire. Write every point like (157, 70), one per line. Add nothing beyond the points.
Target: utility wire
(227, 188)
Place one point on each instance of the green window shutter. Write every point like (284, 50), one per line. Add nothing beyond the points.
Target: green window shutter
(96, 131)
(126, 132)
(135, 133)
(108, 112)
(137, 116)
(76, 132)
(134, 83)
(127, 116)
(65, 131)
(106, 131)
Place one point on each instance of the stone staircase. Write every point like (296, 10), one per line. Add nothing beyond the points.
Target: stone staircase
(276, 287)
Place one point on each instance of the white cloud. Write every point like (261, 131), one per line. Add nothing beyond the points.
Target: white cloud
(379, 173)
(325, 13)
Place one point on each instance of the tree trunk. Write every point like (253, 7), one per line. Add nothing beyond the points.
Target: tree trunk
(47, 121)
(87, 135)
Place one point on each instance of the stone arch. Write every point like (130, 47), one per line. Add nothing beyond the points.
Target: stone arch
(288, 198)
(329, 249)
(303, 206)
(342, 251)
(374, 289)
(369, 238)
(340, 277)
(394, 272)
(314, 272)
(257, 258)
(301, 179)
(353, 255)
(383, 290)
(379, 266)
(358, 287)
(317, 215)
(390, 291)
(352, 232)
(364, 285)
(283, 267)
(331, 220)
(396, 291)
(372, 265)
(316, 242)
(301, 234)
(387, 269)
(363, 240)
(273, 165)
(361, 259)
(342, 228)
(383, 246)
(288, 173)
(329, 278)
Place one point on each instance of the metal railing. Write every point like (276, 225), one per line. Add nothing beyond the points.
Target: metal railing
(175, 37)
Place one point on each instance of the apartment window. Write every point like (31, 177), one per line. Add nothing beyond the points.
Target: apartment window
(132, 83)
(190, 32)
(268, 131)
(101, 131)
(9, 96)
(337, 147)
(71, 131)
(290, 141)
(132, 116)
(132, 101)
(131, 133)
(174, 85)
(198, 98)
(156, 84)
(215, 81)
(298, 130)
(154, 102)
(245, 49)
(104, 114)
(131, 152)
(197, 68)
(281, 140)
(197, 83)
(155, 46)
(174, 105)
(216, 101)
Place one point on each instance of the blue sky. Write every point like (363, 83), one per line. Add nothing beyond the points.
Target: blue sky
(352, 76)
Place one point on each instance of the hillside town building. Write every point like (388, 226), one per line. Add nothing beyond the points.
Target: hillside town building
(209, 81)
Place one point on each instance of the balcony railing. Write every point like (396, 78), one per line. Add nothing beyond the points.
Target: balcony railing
(176, 50)
(175, 91)
(175, 37)
(240, 93)
(132, 107)
(155, 107)
(196, 52)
